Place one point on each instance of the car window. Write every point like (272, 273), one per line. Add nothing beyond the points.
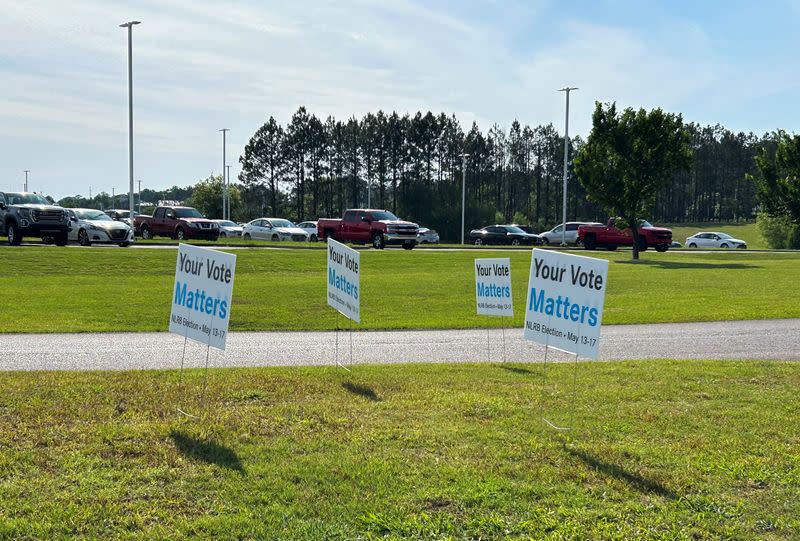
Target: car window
(281, 223)
(572, 227)
(160, 212)
(557, 229)
(495, 229)
(349, 216)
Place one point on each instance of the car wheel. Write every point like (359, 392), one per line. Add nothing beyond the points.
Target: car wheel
(61, 240)
(313, 238)
(642, 244)
(409, 245)
(724, 246)
(611, 247)
(180, 234)
(222, 234)
(662, 247)
(146, 234)
(692, 245)
(377, 241)
(275, 238)
(514, 242)
(83, 238)
(12, 231)
(124, 244)
(545, 242)
(590, 242)
(478, 242)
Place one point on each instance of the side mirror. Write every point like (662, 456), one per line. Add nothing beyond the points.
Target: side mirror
(366, 219)
(171, 215)
(2, 206)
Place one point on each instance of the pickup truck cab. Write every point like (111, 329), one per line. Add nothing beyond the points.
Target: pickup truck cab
(362, 226)
(609, 236)
(25, 214)
(177, 223)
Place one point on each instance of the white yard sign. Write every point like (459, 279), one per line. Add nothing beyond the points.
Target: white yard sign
(493, 287)
(202, 296)
(565, 301)
(344, 280)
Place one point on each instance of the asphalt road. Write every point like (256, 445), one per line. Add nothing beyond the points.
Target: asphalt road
(763, 339)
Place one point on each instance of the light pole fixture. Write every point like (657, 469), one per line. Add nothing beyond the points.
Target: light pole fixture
(140, 199)
(463, 190)
(224, 185)
(228, 183)
(129, 25)
(113, 198)
(567, 90)
(26, 178)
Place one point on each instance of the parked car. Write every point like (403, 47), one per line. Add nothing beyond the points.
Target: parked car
(177, 223)
(90, 225)
(228, 228)
(276, 229)
(310, 228)
(503, 234)
(380, 227)
(121, 215)
(715, 239)
(555, 235)
(427, 236)
(609, 236)
(24, 214)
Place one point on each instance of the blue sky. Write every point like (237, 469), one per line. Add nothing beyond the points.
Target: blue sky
(202, 65)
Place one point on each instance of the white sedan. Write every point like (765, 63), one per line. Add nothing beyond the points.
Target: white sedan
(714, 239)
(310, 228)
(90, 226)
(275, 229)
(228, 228)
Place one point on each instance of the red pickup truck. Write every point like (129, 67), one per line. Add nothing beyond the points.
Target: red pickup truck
(379, 227)
(176, 222)
(609, 236)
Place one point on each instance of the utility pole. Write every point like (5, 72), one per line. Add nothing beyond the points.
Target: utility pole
(463, 191)
(129, 25)
(140, 200)
(224, 185)
(26, 179)
(113, 199)
(567, 90)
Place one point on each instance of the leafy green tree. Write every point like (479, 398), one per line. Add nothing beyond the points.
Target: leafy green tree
(207, 198)
(778, 177)
(628, 158)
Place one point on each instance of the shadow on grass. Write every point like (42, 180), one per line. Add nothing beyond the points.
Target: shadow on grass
(207, 451)
(688, 264)
(516, 370)
(638, 482)
(361, 390)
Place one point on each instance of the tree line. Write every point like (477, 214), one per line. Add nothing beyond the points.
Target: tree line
(412, 165)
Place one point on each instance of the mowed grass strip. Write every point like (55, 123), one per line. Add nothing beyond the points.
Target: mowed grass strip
(49, 289)
(659, 450)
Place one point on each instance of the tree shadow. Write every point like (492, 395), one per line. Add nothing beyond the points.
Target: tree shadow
(207, 451)
(516, 370)
(688, 264)
(638, 482)
(361, 390)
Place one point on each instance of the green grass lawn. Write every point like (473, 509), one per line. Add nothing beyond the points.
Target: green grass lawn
(54, 289)
(659, 450)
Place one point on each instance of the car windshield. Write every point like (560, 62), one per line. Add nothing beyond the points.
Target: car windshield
(281, 223)
(723, 235)
(26, 199)
(383, 215)
(514, 229)
(92, 215)
(645, 223)
(188, 213)
(227, 223)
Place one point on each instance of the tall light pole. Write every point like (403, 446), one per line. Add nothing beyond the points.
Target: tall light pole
(26, 178)
(224, 185)
(463, 190)
(129, 26)
(567, 90)
(140, 199)
(113, 199)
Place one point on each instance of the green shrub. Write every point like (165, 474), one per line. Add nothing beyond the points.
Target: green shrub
(779, 231)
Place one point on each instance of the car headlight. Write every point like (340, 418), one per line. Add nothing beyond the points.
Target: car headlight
(192, 224)
(25, 213)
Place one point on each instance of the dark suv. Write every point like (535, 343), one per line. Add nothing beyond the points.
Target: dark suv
(31, 215)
